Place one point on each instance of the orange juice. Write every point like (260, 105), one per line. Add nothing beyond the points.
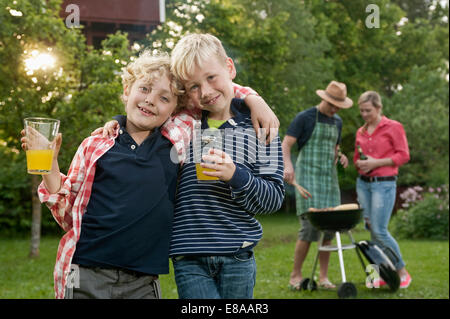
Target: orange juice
(39, 161)
(203, 177)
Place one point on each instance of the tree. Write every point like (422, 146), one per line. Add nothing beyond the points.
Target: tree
(273, 43)
(81, 89)
(288, 49)
(30, 90)
(284, 49)
(384, 59)
(419, 9)
(425, 118)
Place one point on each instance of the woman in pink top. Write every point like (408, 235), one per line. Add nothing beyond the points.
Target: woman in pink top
(383, 141)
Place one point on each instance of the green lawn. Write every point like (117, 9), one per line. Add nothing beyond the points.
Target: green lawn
(427, 262)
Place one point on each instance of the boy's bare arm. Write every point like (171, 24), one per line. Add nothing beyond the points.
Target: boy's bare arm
(264, 119)
(52, 181)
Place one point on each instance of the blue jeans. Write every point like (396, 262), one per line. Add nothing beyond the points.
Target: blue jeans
(378, 199)
(215, 277)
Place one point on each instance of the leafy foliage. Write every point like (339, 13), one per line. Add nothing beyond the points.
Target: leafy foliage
(425, 118)
(15, 204)
(399, 54)
(284, 49)
(425, 214)
(274, 45)
(82, 89)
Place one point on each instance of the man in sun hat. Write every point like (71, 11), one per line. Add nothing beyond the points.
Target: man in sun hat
(317, 133)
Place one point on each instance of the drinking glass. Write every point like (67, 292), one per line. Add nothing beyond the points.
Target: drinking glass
(40, 133)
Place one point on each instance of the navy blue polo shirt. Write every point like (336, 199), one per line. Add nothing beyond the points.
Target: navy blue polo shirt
(128, 221)
(304, 122)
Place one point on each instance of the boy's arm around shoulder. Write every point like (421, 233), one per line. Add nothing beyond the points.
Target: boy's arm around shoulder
(179, 129)
(264, 120)
(61, 203)
(261, 190)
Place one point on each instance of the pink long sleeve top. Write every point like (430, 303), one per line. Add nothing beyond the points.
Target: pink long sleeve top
(388, 140)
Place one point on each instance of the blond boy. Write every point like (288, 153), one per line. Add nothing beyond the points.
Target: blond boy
(116, 202)
(214, 228)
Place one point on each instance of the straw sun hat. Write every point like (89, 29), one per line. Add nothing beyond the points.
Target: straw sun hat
(336, 94)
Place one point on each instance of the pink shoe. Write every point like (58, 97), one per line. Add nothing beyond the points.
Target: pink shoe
(405, 281)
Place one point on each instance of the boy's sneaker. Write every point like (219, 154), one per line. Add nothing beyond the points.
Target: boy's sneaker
(405, 281)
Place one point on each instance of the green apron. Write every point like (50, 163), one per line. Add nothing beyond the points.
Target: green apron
(315, 169)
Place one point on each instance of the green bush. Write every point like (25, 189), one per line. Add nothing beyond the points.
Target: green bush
(15, 196)
(15, 199)
(424, 215)
(426, 95)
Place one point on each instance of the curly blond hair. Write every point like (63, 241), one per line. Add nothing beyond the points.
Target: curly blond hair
(149, 67)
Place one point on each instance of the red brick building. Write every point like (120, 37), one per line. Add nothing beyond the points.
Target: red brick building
(102, 17)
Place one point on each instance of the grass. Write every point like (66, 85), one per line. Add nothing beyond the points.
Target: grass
(427, 262)
(23, 277)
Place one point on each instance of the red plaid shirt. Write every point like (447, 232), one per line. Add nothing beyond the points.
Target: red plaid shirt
(69, 204)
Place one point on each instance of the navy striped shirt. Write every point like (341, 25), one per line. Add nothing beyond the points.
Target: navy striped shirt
(217, 218)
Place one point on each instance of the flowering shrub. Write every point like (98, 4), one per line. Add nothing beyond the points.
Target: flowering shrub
(411, 196)
(425, 213)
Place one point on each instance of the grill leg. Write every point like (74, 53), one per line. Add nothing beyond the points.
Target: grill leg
(341, 257)
(357, 253)
(322, 237)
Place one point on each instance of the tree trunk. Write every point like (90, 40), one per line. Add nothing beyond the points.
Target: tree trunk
(35, 217)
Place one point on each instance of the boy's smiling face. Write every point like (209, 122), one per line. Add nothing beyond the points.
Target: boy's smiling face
(210, 87)
(148, 105)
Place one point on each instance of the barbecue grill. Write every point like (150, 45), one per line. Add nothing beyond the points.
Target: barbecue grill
(344, 221)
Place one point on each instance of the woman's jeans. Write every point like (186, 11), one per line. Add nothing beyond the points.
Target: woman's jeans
(215, 277)
(378, 199)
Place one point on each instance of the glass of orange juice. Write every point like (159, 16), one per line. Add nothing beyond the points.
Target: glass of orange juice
(209, 139)
(201, 177)
(40, 133)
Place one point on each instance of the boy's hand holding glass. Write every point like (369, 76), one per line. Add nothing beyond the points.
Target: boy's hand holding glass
(42, 142)
(219, 161)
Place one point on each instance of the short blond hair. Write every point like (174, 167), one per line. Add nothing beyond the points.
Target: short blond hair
(149, 67)
(193, 50)
(372, 97)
